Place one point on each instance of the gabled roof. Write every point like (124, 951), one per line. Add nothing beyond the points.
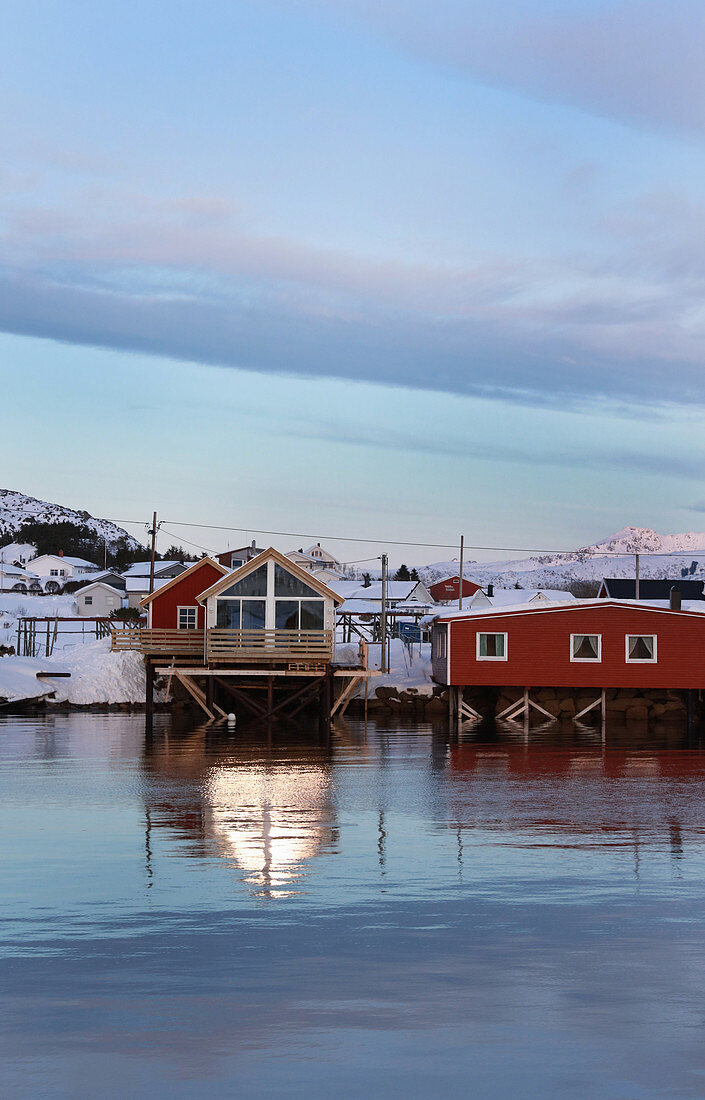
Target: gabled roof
(142, 568)
(286, 563)
(99, 584)
(187, 573)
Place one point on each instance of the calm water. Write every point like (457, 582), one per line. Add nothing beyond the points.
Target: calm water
(386, 915)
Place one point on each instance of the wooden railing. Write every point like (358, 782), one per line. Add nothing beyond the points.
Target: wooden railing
(228, 645)
(269, 645)
(149, 640)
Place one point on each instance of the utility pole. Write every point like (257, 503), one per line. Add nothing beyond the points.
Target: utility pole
(383, 618)
(636, 589)
(460, 586)
(153, 533)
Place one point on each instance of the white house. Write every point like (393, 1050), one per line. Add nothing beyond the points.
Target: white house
(510, 597)
(313, 559)
(56, 569)
(17, 553)
(15, 579)
(270, 593)
(98, 600)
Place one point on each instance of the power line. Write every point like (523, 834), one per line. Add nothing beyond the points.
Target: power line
(398, 542)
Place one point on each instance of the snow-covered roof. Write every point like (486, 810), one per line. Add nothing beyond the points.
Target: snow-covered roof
(396, 590)
(141, 584)
(16, 571)
(142, 568)
(99, 584)
(97, 576)
(483, 611)
(506, 596)
(77, 563)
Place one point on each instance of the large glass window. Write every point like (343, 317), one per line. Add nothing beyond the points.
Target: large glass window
(254, 584)
(491, 647)
(299, 614)
(641, 647)
(286, 584)
(585, 647)
(241, 614)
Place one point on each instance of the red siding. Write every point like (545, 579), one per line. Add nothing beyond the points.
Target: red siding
(449, 589)
(538, 648)
(183, 594)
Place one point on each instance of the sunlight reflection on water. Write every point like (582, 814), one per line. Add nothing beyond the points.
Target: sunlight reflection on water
(389, 911)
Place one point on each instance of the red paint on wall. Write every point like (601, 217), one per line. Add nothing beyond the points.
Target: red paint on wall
(539, 648)
(183, 594)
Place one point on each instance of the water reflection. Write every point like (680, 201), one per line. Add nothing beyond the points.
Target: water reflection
(266, 812)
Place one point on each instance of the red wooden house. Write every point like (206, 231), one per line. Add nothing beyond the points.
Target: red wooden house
(448, 590)
(174, 606)
(598, 643)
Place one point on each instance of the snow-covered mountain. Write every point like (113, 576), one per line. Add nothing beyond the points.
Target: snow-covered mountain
(18, 508)
(664, 556)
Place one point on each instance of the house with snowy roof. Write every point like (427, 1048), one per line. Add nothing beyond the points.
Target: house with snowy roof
(56, 569)
(18, 553)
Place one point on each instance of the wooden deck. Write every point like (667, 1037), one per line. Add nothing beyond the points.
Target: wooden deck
(250, 647)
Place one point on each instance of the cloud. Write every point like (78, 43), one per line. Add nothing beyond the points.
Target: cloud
(631, 61)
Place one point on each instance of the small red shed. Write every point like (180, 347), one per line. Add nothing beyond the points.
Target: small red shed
(174, 605)
(599, 643)
(448, 590)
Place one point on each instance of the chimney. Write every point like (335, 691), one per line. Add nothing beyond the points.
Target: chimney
(61, 553)
(675, 599)
(490, 590)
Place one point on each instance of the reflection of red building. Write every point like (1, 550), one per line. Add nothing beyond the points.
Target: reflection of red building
(449, 590)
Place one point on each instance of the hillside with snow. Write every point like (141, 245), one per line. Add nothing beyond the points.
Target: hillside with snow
(18, 508)
(662, 556)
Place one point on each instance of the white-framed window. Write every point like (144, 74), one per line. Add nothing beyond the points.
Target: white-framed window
(88, 600)
(54, 572)
(491, 647)
(586, 647)
(186, 618)
(640, 649)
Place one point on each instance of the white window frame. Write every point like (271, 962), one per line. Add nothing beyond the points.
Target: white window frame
(640, 660)
(190, 608)
(88, 600)
(477, 645)
(586, 660)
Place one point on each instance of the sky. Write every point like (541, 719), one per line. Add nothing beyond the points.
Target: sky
(391, 271)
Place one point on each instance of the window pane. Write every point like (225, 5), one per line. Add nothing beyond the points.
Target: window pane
(229, 614)
(286, 584)
(492, 645)
(586, 647)
(641, 647)
(286, 614)
(253, 612)
(253, 585)
(312, 614)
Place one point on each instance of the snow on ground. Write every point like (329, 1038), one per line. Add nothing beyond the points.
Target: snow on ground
(97, 676)
(14, 606)
(408, 668)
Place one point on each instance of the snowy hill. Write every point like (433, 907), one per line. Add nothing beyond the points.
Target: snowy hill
(664, 556)
(18, 508)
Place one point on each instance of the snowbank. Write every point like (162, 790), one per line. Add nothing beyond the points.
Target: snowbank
(14, 606)
(97, 677)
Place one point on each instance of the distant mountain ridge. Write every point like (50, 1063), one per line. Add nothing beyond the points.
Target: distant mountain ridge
(664, 557)
(18, 508)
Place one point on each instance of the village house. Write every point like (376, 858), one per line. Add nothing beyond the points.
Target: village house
(56, 569)
(314, 559)
(174, 605)
(107, 576)
(448, 590)
(596, 644)
(398, 592)
(98, 600)
(233, 559)
(15, 579)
